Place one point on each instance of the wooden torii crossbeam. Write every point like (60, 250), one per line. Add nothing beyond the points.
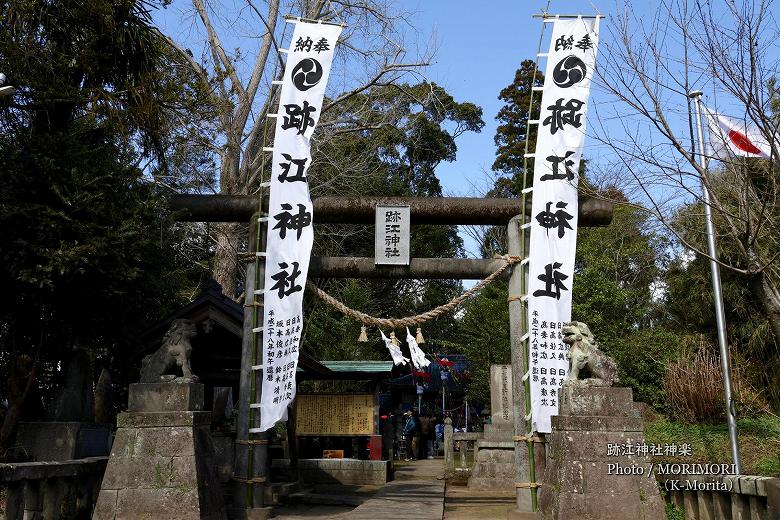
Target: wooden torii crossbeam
(360, 210)
(593, 212)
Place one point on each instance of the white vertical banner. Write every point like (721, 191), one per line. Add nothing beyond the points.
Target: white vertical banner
(290, 231)
(561, 134)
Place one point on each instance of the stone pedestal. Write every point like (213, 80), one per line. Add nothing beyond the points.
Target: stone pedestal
(583, 480)
(161, 463)
(494, 454)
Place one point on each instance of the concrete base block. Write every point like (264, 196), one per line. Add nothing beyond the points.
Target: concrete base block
(162, 462)
(494, 469)
(165, 397)
(578, 483)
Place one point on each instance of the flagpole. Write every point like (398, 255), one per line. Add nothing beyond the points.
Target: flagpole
(720, 316)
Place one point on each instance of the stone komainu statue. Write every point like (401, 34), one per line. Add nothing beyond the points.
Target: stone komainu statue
(175, 351)
(589, 366)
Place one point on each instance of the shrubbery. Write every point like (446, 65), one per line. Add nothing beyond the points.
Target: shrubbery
(693, 388)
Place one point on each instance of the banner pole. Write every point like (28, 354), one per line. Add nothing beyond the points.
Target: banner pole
(720, 315)
(523, 275)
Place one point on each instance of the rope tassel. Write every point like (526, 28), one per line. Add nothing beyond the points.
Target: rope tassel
(420, 340)
(363, 338)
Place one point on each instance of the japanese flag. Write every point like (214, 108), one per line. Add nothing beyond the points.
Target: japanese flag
(731, 137)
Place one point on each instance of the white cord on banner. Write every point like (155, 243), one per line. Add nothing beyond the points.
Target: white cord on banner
(257, 367)
(526, 376)
(296, 19)
(257, 329)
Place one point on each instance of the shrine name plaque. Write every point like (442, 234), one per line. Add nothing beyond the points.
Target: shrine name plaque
(333, 414)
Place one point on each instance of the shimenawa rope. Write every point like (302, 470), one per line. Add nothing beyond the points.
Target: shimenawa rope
(409, 321)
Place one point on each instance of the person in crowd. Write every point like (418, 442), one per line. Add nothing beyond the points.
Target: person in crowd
(410, 425)
(427, 425)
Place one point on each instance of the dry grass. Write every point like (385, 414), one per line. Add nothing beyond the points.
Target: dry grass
(693, 388)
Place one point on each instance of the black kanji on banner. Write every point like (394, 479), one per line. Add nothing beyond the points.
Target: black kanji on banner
(564, 114)
(553, 280)
(555, 161)
(303, 45)
(300, 169)
(564, 43)
(298, 117)
(285, 282)
(294, 221)
(558, 219)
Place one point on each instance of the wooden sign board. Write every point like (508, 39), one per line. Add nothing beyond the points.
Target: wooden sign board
(330, 414)
(391, 244)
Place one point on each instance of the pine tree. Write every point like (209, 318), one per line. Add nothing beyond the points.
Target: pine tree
(513, 116)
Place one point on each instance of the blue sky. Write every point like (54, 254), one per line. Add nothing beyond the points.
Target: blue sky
(478, 54)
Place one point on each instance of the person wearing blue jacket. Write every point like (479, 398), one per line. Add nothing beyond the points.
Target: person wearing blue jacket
(410, 429)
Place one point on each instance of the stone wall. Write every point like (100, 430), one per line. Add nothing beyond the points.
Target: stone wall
(340, 471)
(58, 490)
(729, 497)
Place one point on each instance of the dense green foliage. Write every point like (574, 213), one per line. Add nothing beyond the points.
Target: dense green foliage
(616, 271)
(88, 251)
(483, 336)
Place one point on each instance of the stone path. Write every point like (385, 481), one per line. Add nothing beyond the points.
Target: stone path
(462, 503)
(417, 493)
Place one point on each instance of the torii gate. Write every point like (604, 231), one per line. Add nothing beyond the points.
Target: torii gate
(252, 475)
